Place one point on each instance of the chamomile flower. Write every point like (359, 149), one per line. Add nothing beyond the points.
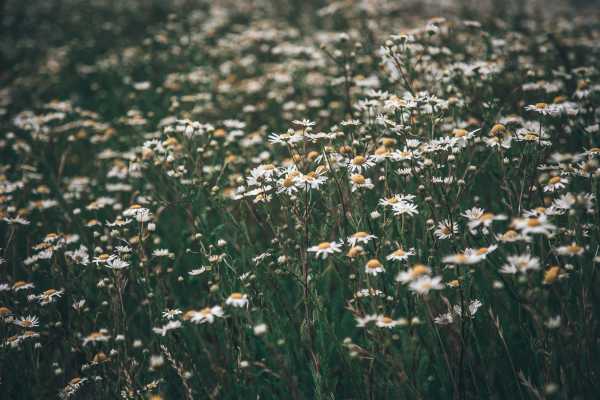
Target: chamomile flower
(355, 251)
(571, 250)
(499, 136)
(384, 321)
(95, 337)
(208, 314)
(358, 181)
(555, 183)
(22, 285)
(169, 326)
(362, 322)
(49, 296)
(463, 259)
(374, 267)
(360, 163)
(405, 207)
(534, 225)
(412, 273)
(31, 321)
(171, 313)
(543, 108)
(400, 254)
(446, 229)
(360, 237)
(425, 284)
(325, 249)
(116, 264)
(479, 219)
(237, 299)
(551, 275)
(521, 264)
(103, 258)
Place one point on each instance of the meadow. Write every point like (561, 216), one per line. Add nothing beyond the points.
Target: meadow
(284, 199)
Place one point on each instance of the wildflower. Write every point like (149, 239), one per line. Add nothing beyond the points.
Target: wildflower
(171, 313)
(161, 253)
(311, 180)
(5, 313)
(512, 236)
(481, 251)
(22, 285)
(570, 250)
(197, 271)
(94, 337)
(169, 326)
(551, 274)
(395, 199)
(360, 163)
(28, 322)
(400, 254)
(116, 264)
(362, 322)
(103, 258)
(405, 207)
(534, 225)
(426, 283)
(521, 263)
(79, 256)
(360, 237)
(374, 267)
(288, 185)
(499, 136)
(387, 322)
(446, 229)
(208, 314)
(543, 108)
(555, 183)
(472, 308)
(463, 259)
(325, 248)
(358, 181)
(553, 322)
(304, 123)
(49, 295)
(355, 251)
(413, 273)
(237, 299)
(479, 218)
(260, 329)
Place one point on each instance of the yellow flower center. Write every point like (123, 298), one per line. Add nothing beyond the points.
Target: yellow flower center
(487, 217)
(497, 129)
(399, 253)
(554, 180)
(551, 274)
(419, 270)
(358, 179)
(459, 133)
(373, 264)
(288, 182)
(359, 160)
